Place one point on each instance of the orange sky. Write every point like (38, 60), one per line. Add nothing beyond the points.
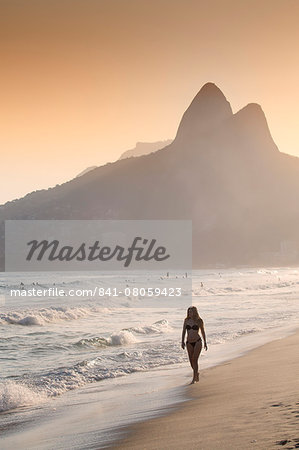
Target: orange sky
(83, 80)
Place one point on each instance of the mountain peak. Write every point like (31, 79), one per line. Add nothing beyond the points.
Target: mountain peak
(253, 108)
(210, 88)
(251, 125)
(206, 111)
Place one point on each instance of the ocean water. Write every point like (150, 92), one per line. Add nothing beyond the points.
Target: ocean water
(76, 369)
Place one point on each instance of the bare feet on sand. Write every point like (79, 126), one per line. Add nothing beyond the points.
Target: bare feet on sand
(195, 379)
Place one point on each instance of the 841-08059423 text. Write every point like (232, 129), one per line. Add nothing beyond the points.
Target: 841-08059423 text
(98, 292)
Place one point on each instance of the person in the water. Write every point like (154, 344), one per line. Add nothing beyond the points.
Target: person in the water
(192, 324)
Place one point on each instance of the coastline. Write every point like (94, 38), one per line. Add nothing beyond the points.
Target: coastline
(80, 395)
(248, 402)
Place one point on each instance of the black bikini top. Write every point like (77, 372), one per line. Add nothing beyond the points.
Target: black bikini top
(194, 327)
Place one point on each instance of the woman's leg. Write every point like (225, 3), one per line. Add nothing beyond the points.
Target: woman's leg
(190, 350)
(195, 356)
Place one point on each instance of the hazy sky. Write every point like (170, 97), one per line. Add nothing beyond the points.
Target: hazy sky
(83, 80)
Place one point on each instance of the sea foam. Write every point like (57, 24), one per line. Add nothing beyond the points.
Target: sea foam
(15, 395)
(45, 316)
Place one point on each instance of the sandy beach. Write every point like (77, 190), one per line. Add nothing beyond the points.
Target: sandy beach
(250, 402)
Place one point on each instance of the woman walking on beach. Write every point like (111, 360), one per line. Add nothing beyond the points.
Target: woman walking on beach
(193, 323)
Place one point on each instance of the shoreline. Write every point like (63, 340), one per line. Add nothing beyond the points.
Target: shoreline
(247, 402)
(151, 404)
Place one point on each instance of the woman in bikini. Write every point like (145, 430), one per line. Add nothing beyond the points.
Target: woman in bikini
(193, 323)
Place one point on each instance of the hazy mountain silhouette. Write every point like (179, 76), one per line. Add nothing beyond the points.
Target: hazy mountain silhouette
(223, 171)
(88, 169)
(208, 109)
(141, 148)
(144, 148)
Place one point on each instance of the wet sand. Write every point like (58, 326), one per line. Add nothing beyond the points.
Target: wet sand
(251, 402)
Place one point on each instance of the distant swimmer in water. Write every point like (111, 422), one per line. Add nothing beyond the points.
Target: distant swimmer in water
(192, 324)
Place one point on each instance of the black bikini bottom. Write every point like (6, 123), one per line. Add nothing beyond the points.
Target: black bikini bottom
(193, 343)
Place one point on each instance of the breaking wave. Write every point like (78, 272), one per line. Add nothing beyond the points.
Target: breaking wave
(45, 316)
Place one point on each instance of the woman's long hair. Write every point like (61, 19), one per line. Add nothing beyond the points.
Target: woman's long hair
(197, 317)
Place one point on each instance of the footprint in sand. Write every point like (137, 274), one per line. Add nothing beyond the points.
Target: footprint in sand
(289, 441)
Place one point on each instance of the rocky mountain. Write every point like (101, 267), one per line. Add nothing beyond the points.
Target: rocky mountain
(141, 148)
(88, 169)
(222, 170)
(144, 148)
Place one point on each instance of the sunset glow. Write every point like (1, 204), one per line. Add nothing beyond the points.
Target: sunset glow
(82, 81)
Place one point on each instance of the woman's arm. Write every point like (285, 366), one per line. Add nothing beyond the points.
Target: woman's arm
(183, 335)
(202, 329)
